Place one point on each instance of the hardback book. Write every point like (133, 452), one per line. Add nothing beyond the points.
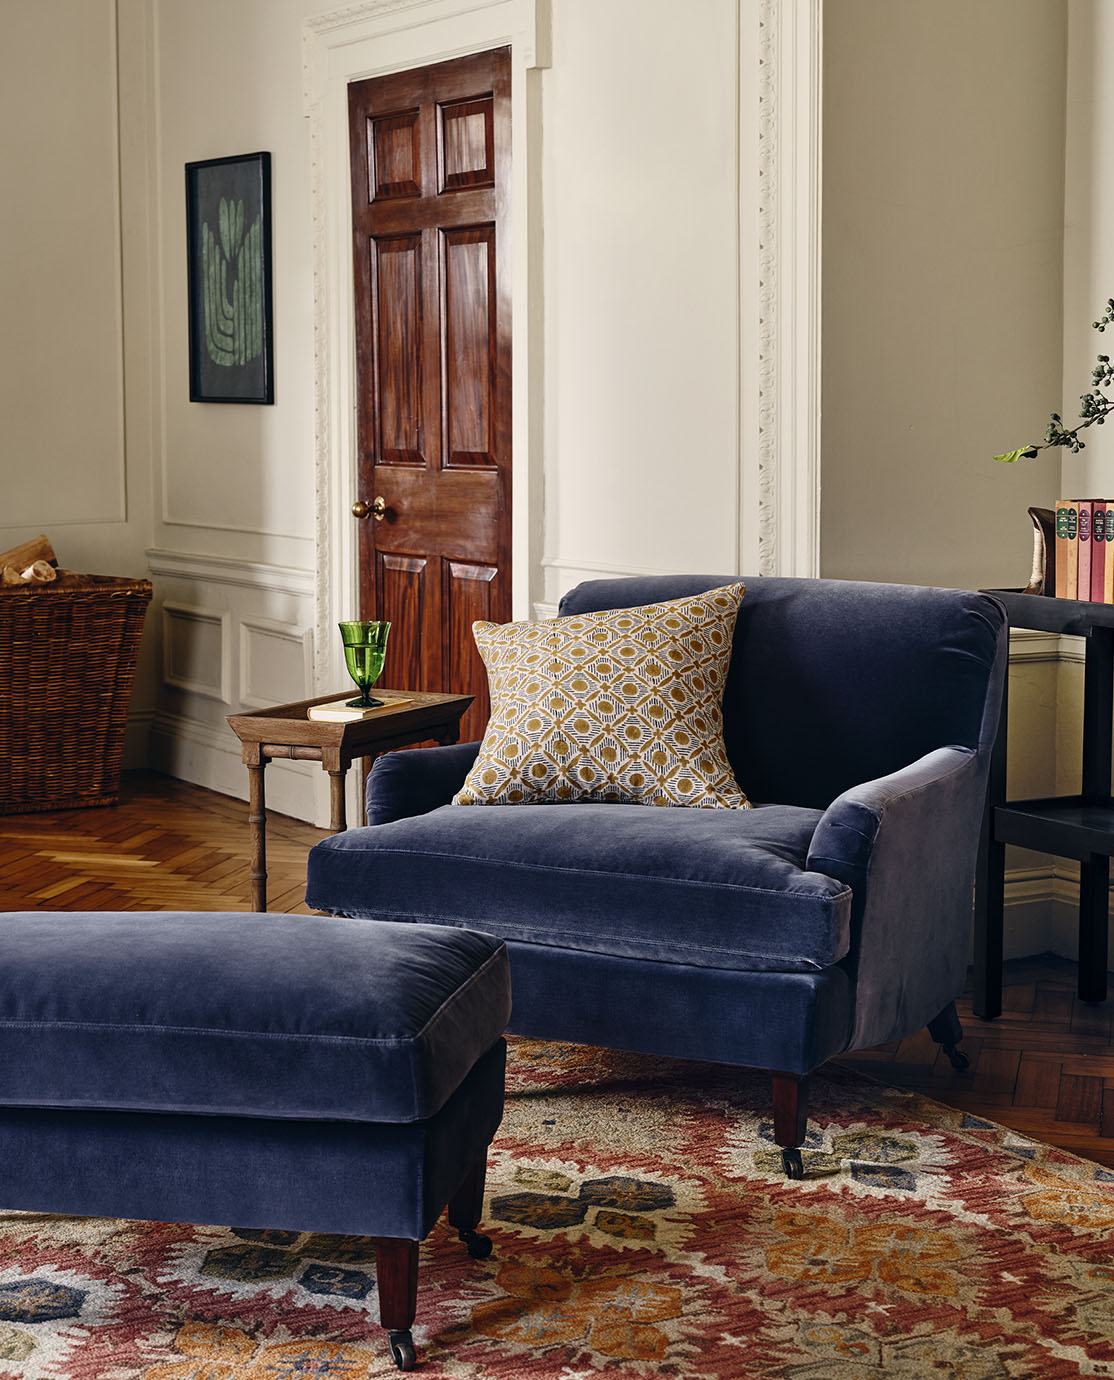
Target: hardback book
(1108, 568)
(341, 712)
(1083, 587)
(1067, 562)
(1098, 549)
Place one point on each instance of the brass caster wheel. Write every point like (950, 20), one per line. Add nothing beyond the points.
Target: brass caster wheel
(792, 1163)
(402, 1350)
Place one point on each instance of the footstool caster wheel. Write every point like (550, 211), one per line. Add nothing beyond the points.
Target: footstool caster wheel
(792, 1163)
(957, 1058)
(402, 1350)
(479, 1246)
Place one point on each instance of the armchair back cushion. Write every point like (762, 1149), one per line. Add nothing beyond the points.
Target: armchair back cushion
(835, 682)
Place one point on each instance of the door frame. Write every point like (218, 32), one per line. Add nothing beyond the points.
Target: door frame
(372, 39)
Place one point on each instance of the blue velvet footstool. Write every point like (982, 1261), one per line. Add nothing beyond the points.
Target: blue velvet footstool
(280, 1071)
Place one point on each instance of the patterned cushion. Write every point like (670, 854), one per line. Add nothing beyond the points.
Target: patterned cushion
(623, 706)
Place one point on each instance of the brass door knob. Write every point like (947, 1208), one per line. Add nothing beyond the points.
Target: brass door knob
(377, 509)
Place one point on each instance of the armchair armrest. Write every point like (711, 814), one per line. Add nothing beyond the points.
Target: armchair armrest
(414, 782)
(906, 844)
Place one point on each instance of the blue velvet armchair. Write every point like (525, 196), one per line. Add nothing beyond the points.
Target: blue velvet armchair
(834, 916)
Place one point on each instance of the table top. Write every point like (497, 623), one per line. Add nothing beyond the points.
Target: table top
(289, 724)
(1048, 614)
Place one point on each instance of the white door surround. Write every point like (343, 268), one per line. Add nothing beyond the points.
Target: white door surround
(370, 39)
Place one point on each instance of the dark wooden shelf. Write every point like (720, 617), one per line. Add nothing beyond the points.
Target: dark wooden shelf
(1074, 826)
(1067, 825)
(1074, 616)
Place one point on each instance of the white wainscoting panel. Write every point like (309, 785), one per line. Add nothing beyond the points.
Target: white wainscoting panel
(237, 636)
(196, 650)
(276, 662)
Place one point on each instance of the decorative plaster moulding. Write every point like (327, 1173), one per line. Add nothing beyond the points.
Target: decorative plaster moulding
(780, 286)
(348, 44)
(229, 570)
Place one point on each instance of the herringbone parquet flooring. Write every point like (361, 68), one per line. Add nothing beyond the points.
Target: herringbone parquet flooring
(1045, 1068)
(166, 846)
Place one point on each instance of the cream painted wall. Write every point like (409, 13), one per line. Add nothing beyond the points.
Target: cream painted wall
(74, 462)
(1088, 229)
(61, 368)
(236, 481)
(942, 234)
(641, 269)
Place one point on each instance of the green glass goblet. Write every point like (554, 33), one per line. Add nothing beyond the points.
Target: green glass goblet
(365, 647)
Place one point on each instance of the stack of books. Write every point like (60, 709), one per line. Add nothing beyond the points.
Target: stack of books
(1084, 550)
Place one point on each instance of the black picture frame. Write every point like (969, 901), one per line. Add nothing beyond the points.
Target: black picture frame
(228, 271)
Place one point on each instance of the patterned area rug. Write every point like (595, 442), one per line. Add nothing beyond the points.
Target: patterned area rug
(642, 1228)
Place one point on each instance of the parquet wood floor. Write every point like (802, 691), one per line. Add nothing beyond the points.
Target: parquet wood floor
(1046, 1067)
(166, 846)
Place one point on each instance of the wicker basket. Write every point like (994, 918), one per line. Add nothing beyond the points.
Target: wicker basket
(67, 663)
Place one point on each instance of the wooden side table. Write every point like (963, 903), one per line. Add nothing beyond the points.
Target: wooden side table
(286, 731)
(1071, 826)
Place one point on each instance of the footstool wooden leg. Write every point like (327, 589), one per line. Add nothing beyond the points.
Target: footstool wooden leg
(396, 1263)
(466, 1208)
(791, 1120)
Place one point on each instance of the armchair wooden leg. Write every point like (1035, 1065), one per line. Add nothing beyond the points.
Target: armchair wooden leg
(466, 1208)
(397, 1277)
(946, 1030)
(791, 1119)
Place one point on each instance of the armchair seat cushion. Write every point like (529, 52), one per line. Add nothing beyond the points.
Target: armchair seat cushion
(712, 888)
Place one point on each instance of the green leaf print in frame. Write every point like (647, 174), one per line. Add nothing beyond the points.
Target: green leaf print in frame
(228, 238)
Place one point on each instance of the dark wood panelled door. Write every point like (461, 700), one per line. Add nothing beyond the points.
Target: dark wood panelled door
(430, 187)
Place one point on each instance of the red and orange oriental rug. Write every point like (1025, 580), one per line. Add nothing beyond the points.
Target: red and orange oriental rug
(642, 1228)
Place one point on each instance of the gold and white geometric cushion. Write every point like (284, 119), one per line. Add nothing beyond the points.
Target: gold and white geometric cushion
(624, 706)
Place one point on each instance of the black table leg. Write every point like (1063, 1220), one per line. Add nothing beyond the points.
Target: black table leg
(1094, 872)
(1094, 892)
(990, 883)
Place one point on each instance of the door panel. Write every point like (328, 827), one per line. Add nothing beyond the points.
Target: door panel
(398, 330)
(469, 594)
(395, 163)
(430, 200)
(401, 589)
(470, 343)
(467, 144)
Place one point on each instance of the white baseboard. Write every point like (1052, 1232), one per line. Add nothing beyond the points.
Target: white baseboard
(210, 757)
(1042, 910)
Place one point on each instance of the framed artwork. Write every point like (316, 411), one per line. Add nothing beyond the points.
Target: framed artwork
(228, 262)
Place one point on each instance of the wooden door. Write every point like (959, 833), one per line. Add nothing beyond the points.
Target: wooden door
(430, 187)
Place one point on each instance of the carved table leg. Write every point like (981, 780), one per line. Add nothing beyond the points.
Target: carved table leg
(257, 819)
(339, 821)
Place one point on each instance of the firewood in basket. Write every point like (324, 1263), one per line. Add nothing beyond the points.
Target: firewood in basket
(37, 573)
(20, 557)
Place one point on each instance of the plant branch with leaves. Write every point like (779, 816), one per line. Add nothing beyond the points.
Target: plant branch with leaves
(1094, 407)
